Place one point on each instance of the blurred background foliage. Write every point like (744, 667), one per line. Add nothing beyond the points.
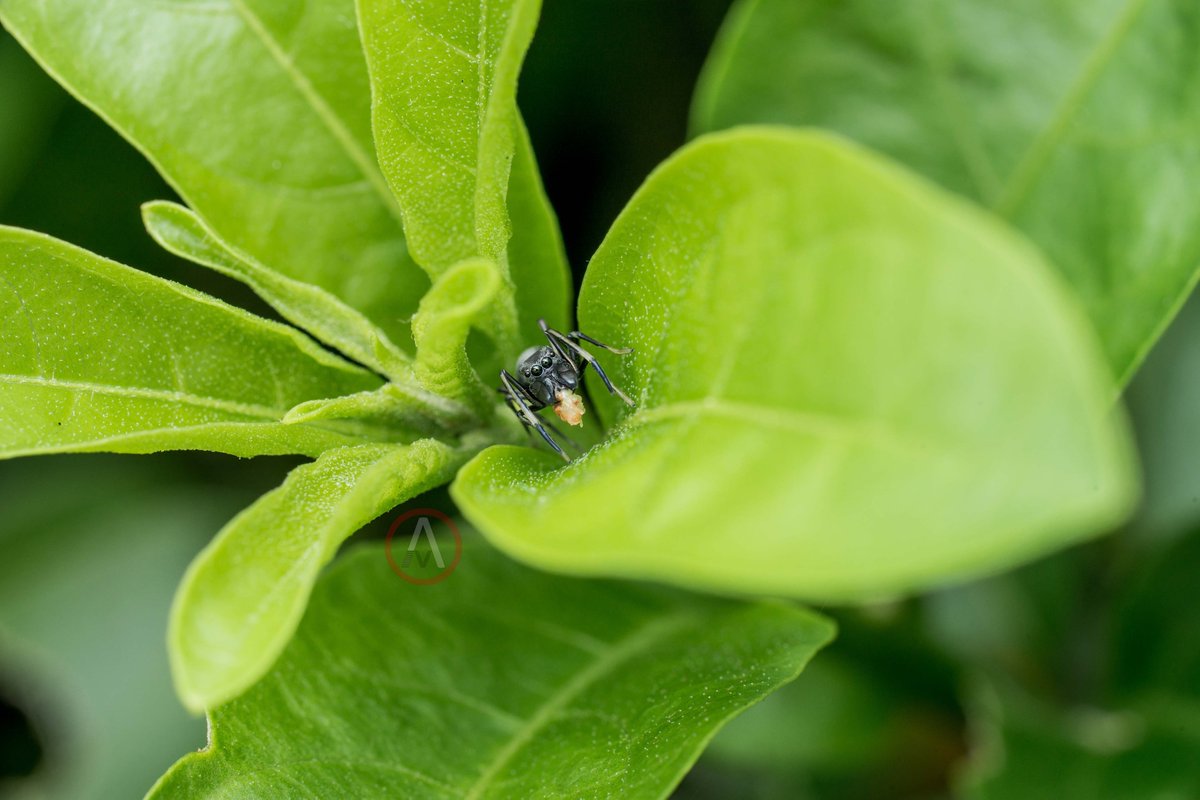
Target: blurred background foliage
(1081, 671)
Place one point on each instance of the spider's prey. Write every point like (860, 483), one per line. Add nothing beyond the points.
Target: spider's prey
(547, 376)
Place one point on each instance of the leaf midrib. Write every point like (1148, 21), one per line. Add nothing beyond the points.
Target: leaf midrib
(167, 395)
(1037, 155)
(482, 99)
(333, 123)
(617, 654)
(802, 422)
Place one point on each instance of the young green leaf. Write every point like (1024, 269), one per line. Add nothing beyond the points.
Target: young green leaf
(258, 114)
(444, 85)
(243, 596)
(396, 412)
(499, 682)
(537, 260)
(1085, 136)
(98, 356)
(458, 299)
(455, 151)
(847, 383)
(305, 305)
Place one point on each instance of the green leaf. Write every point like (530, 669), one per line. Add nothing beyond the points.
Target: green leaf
(243, 597)
(847, 383)
(444, 84)
(1077, 120)
(98, 356)
(873, 717)
(439, 389)
(393, 412)
(497, 682)
(536, 257)
(305, 305)
(458, 298)
(456, 153)
(257, 113)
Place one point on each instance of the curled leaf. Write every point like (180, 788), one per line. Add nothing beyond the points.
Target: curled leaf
(244, 595)
(456, 302)
(305, 305)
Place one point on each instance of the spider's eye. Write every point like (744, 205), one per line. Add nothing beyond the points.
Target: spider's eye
(536, 370)
(546, 362)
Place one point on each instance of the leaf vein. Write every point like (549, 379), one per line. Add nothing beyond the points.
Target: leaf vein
(809, 424)
(1038, 155)
(364, 161)
(413, 17)
(231, 406)
(33, 334)
(617, 654)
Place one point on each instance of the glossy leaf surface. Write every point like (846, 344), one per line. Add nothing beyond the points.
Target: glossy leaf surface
(456, 153)
(1079, 121)
(258, 113)
(444, 80)
(99, 356)
(847, 383)
(498, 682)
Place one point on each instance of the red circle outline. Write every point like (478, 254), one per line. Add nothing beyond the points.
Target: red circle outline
(458, 546)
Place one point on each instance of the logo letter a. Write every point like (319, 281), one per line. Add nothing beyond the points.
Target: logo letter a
(424, 526)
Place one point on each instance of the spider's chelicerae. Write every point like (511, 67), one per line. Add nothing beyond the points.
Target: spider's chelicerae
(547, 376)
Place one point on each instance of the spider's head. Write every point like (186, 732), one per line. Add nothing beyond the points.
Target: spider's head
(545, 373)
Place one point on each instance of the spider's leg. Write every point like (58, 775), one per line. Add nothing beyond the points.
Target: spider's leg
(621, 351)
(514, 389)
(566, 354)
(577, 335)
(512, 404)
(560, 433)
(515, 394)
(588, 358)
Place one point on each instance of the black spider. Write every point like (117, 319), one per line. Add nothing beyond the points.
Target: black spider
(547, 376)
